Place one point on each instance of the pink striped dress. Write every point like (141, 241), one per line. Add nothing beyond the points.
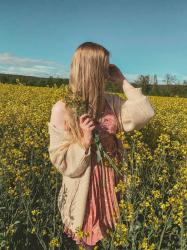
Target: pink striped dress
(102, 208)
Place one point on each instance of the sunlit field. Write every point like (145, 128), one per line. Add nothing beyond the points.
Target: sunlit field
(153, 201)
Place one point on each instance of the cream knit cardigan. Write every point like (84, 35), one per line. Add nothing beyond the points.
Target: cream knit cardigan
(75, 165)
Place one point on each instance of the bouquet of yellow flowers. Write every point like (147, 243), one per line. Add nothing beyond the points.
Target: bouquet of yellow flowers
(79, 106)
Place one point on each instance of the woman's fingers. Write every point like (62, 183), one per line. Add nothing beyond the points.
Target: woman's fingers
(82, 117)
(85, 119)
(86, 123)
(92, 127)
(89, 123)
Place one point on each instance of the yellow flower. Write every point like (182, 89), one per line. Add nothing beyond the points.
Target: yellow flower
(11, 229)
(163, 206)
(147, 204)
(82, 248)
(126, 145)
(156, 193)
(122, 204)
(54, 242)
(33, 230)
(35, 212)
(96, 248)
(146, 246)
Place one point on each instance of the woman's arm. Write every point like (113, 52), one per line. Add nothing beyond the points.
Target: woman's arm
(136, 111)
(70, 159)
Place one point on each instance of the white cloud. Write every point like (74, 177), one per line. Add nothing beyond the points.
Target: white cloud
(12, 64)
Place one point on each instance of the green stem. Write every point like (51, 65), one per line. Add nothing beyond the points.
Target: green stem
(101, 153)
(164, 229)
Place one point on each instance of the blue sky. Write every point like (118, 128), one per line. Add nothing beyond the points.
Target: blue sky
(39, 37)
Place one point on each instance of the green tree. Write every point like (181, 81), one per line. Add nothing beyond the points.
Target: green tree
(143, 81)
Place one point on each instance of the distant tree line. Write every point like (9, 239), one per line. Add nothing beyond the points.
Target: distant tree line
(149, 84)
(170, 87)
(33, 80)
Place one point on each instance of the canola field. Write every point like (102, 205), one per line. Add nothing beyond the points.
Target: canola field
(153, 211)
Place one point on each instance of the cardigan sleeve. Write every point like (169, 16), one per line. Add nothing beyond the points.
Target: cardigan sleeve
(136, 111)
(70, 159)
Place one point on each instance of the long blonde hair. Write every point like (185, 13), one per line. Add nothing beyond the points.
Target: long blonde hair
(88, 77)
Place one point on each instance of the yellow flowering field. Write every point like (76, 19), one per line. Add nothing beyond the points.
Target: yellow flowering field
(153, 201)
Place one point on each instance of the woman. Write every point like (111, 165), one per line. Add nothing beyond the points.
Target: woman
(84, 203)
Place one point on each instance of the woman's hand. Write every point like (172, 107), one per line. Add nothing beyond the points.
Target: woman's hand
(87, 126)
(115, 75)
